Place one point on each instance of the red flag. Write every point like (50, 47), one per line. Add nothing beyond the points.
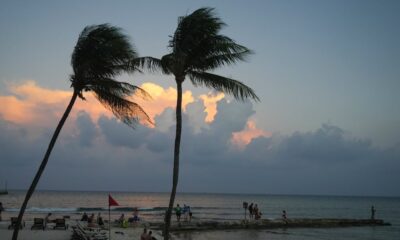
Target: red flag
(111, 201)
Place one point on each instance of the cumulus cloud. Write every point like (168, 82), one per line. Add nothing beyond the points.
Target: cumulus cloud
(86, 128)
(227, 154)
(210, 102)
(244, 137)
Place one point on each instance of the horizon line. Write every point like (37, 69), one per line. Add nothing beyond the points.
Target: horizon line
(219, 193)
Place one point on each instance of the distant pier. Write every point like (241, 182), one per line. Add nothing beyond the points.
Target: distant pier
(272, 224)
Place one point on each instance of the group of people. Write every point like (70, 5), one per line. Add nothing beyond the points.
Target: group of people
(186, 211)
(254, 212)
(92, 222)
(147, 235)
(98, 222)
(125, 222)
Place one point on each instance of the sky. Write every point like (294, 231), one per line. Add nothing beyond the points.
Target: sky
(327, 74)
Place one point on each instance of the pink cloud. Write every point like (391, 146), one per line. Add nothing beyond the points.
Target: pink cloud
(242, 138)
(33, 105)
(210, 102)
(30, 104)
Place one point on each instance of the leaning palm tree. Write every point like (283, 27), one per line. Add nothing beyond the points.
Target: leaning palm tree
(101, 53)
(197, 47)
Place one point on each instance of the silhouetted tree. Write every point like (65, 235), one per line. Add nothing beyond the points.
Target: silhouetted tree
(101, 53)
(197, 47)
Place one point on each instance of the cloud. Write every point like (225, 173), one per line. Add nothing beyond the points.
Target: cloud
(162, 99)
(32, 105)
(210, 102)
(227, 154)
(86, 128)
(244, 137)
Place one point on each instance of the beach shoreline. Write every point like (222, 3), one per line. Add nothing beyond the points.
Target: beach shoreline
(117, 233)
(133, 231)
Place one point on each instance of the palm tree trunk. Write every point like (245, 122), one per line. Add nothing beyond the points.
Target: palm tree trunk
(43, 165)
(176, 158)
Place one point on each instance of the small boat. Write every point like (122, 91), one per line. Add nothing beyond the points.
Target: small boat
(5, 191)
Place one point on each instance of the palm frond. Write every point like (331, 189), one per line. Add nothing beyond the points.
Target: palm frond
(101, 51)
(122, 89)
(150, 63)
(215, 51)
(222, 84)
(127, 111)
(193, 28)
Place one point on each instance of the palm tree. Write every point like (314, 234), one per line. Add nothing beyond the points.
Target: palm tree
(101, 53)
(197, 48)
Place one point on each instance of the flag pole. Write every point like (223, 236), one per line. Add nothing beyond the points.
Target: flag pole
(111, 202)
(109, 220)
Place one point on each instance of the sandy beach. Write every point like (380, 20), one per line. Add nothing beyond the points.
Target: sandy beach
(50, 234)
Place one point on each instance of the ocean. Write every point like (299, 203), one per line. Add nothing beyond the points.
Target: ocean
(218, 207)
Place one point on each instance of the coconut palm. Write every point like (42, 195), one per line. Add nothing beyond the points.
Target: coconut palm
(197, 47)
(101, 53)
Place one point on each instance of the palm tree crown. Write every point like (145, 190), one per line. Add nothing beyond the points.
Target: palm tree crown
(102, 52)
(197, 47)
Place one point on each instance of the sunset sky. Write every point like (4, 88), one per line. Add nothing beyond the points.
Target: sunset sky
(327, 74)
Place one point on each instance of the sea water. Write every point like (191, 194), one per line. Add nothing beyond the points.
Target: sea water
(217, 207)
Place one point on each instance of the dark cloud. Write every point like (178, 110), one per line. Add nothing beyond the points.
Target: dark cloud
(328, 160)
(87, 129)
(17, 145)
(119, 134)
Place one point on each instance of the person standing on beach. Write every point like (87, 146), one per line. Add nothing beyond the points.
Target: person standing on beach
(186, 212)
(1, 209)
(190, 213)
(251, 210)
(284, 217)
(373, 212)
(178, 212)
(100, 221)
(255, 210)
